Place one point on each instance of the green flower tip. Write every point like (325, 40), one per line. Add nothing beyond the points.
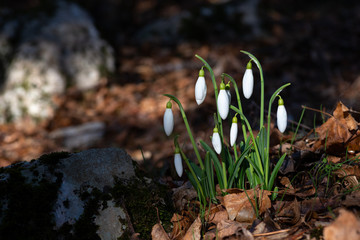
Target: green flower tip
(281, 101)
(227, 86)
(177, 150)
(234, 120)
(222, 86)
(201, 72)
(216, 130)
(249, 65)
(169, 104)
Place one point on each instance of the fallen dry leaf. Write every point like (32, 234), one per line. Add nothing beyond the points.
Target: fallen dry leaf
(158, 233)
(345, 227)
(181, 224)
(193, 233)
(229, 228)
(288, 212)
(338, 132)
(239, 207)
(352, 200)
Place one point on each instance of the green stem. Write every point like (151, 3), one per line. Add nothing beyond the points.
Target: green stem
(239, 104)
(188, 129)
(259, 164)
(224, 175)
(262, 86)
(267, 160)
(193, 174)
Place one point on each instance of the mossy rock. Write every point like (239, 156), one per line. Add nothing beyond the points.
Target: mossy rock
(93, 194)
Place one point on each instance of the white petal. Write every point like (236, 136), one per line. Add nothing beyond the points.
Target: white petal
(248, 83)
(229, 95)
(200, 90)
(281, 118)
(233, 133)
(216, 142)
(178, 164)
(168, 121)
(223, 104)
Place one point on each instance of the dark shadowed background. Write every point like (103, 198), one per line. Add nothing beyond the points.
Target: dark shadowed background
(132, 52)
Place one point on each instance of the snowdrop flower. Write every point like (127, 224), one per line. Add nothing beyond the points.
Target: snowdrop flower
(281, 116)
(178, 162)
(248, 81)
(168, 119)
(233, 131)
(200, 88)
(216, 142)
(223, 102)
(227, 89)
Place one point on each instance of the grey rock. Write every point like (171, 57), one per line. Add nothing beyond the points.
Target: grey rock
(54, 50)
(80, 137)
(73, 179)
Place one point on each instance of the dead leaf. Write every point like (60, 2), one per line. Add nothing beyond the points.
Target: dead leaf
(240, 205)
(346, 226)
(193, 233)
(158, 233)
(352, 200)
(218, 217)
(227, 228)
(288, 212)
(350, 174)
(338, 132)
(183, 194)
(181, 224)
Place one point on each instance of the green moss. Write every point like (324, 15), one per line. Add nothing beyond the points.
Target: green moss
(141, 200)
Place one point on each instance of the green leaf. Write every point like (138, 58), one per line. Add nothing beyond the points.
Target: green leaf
(275, 171)
(217, 164)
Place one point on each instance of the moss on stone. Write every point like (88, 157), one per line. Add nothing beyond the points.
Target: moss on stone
(141, 200)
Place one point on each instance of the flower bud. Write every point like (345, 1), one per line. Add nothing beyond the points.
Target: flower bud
(168, 119)
(223, 102)
(281, 116)
(248, 81)
(200, 88)
(178, 162)
(215, 140)
(233, 131)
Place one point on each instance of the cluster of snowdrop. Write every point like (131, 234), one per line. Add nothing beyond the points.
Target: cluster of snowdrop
(248, 161)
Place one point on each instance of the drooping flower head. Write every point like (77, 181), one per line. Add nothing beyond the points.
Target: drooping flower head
(168, 119)
(233, 130)
(248, 81)
(200, 88)
(215, 140)
(281, 115)
(178, 161)
(223, 102)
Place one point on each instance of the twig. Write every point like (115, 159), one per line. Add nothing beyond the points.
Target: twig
(271, 233)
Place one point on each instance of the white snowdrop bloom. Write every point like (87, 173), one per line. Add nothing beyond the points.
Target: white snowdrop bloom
(281, 116)
(200, 88)
(228, 92)
(215, 140)
(178, 162)
(223, 102)
(168, 119)
(233, 131)
(248, 81)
